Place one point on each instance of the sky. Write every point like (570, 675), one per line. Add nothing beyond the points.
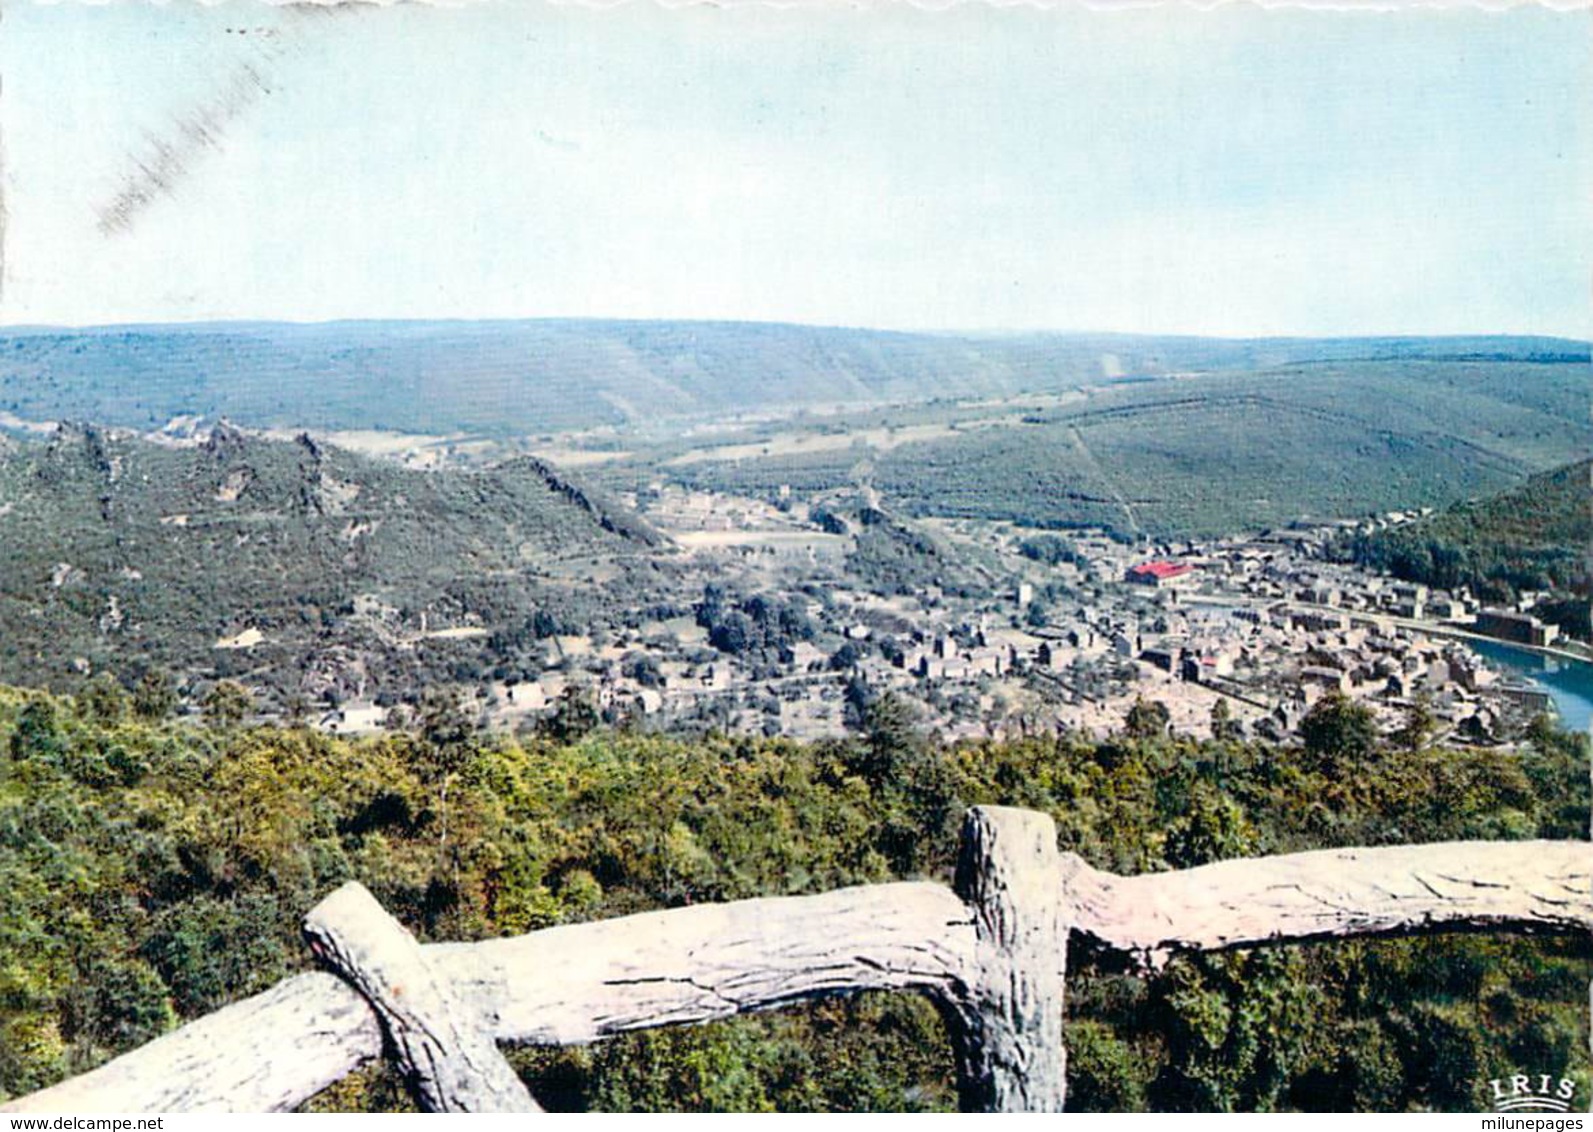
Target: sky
(1236, 172)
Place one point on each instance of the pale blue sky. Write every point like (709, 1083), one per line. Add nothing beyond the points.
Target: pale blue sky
(1237, 171)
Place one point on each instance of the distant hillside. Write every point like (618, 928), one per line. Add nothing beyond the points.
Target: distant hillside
(1537, 536)
(309, 561)
(542, 376)
(1224, 453)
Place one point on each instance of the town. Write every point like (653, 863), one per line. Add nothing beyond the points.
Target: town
(1234, 638)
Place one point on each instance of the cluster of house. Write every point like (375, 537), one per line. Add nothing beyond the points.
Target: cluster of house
(1273, 568)
(1264, 621)
(1310, 627)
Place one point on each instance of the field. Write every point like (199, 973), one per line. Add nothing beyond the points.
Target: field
(1192, 456)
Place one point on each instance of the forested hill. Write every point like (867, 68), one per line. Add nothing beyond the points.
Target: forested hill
(1533, 537)
(155, 871)
(118, 552)
(548, 375)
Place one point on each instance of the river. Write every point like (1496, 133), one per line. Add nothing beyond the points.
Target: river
(1568, 682)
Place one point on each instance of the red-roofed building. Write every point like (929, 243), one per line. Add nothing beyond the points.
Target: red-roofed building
(1158, 573)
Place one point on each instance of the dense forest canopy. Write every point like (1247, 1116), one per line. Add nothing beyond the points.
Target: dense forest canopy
(1534, 537)
(157, 869)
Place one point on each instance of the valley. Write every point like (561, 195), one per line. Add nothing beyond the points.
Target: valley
(803, 558)
(515, 668)
(772, 571)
